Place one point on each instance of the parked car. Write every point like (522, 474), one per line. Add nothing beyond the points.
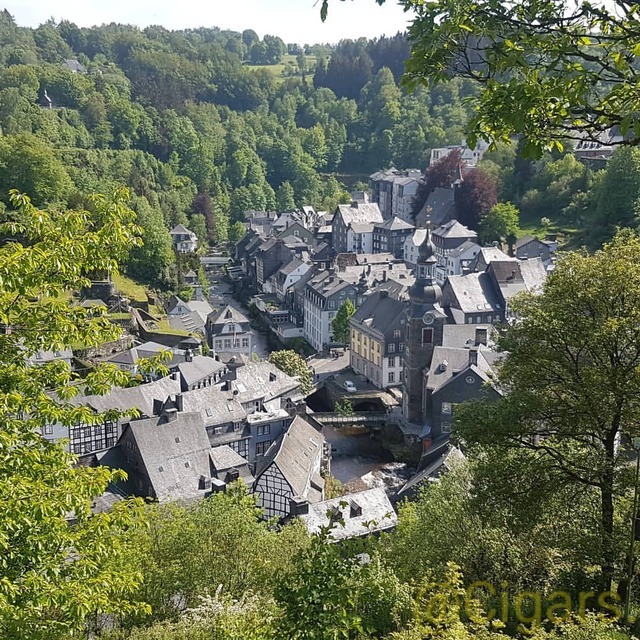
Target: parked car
(349, 386)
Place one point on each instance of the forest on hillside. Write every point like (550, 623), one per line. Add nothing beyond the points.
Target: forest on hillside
(197, 131)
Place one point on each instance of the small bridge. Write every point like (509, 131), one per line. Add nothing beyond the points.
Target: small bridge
(215, 261)
(364, 417)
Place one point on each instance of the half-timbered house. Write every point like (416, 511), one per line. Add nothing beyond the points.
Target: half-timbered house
(288, 476)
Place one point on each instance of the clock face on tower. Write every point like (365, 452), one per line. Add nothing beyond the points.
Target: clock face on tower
(428, 318)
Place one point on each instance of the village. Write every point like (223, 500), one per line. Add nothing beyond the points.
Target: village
(419, 338)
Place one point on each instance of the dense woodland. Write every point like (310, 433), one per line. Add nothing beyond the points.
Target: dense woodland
(199, 128)
(197, 131)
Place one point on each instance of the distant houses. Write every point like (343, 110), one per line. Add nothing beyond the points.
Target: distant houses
(184, 240)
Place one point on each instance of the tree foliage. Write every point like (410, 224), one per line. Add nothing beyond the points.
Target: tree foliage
(293, 364)
(500, 224)
(54, 576)
(340, 324)
(546, 72)
(570, 381)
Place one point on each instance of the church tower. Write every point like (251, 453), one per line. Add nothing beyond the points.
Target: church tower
(423, 330)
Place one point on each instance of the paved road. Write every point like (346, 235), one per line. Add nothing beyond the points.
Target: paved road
(326, 366)
(220, 296)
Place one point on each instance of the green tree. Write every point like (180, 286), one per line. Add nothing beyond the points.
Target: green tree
(237, 231)
(53, 576)
(221, 542)
(570, 74)
(285, 197)
(344, 407)
(501, 224)
(340, 324)
(293, 365)
(152, 261)
(31, 166)
(619, 195)
(571, 378)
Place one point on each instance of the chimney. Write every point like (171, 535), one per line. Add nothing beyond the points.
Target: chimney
(384, 294)
(204, 483)
(179, 402)
(481, 336)
(473, 356)
(272, 376)
(298, 506)
(232, 475)
(218, 486)
(188, 355)
(384, 276)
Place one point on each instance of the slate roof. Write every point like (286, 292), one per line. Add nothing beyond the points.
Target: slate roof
(475, 292)
(394, 223)
(180, 228)
(445, 459)
(142, 397)
(175, 454)
(487, 255)
(379, 312)
(456, 361)
(377, 514)
(50, 356)
(439, 206)
(225, 458)
(193, 322)
(297, 454)
(291, 266)
(216, 407)
(364, 213)
(148, 349)
(467, 245)
(513, 277)
(464, 335)
(325, 286)
(227, 314)
(417, 237)
(262, 380)
(362, 227)
(453, 229)
(199, 368)
(533, 273)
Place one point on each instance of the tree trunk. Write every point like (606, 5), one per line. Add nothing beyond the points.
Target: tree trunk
(608, 553)
(606, 488)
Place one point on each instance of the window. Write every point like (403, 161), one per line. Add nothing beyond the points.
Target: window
(177, 439)
(332, 304)
(392, 347)
(218, 344)
(446, 427)
(392, 376)
(227, 343)
(392, 361)
(261, 447)
(401, 347)
(187, 464)
(245, 342)
(446, 408)
(427, 336)
(48, 430)
(396, 333)
(264, 429)
(218, 430)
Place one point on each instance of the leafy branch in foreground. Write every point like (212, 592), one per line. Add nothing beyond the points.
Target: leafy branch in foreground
(55, 575)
